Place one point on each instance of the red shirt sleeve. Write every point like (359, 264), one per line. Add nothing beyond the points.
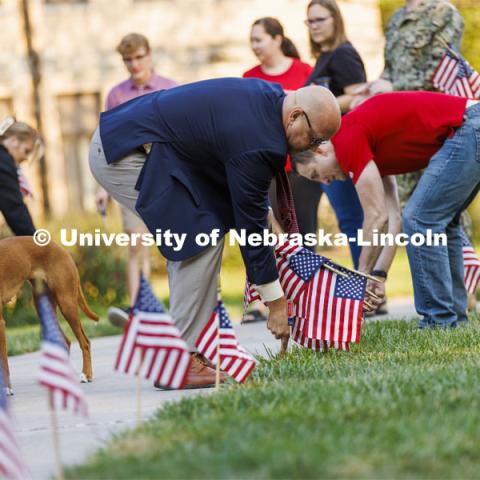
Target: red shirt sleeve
(353, 150)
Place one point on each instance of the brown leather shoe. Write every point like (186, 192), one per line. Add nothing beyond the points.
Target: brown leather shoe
(200, 374)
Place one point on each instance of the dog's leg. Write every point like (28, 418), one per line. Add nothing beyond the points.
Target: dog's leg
(69, 309)
(4, 354)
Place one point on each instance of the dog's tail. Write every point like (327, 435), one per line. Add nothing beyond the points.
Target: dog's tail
(82, 302)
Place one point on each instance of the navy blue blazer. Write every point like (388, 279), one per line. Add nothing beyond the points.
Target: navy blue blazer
(216, 145)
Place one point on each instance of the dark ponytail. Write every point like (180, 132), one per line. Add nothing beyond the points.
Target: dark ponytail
(273, 27)
(289, 49)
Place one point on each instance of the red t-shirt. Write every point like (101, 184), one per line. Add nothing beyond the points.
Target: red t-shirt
(399, 131)
(293, 79)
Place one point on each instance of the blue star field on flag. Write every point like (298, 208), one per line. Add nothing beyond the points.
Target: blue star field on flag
(146, 300)
(305, 263)
(352, 287)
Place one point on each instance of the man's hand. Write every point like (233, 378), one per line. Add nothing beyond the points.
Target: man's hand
(101, 200)
(369, 89)
(375, 294)
(278, 318)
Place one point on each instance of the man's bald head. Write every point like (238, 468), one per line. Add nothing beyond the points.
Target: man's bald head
(310, 115)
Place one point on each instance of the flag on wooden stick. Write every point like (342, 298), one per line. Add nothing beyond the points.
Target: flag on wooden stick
(151, 345)
(56, 372)
(234, 359)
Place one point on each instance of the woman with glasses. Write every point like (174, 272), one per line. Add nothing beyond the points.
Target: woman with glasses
(339, 68)
(338, 65)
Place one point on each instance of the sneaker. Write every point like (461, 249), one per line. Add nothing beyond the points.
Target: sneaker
(118, 316)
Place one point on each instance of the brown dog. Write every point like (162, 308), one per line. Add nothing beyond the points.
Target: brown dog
(20, 260)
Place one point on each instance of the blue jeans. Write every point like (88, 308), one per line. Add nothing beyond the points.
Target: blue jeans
(345, 202)
(446, 188)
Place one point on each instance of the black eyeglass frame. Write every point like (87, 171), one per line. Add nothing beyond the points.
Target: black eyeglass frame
(314, 140)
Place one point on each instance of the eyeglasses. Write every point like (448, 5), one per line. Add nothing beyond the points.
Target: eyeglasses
(138, 58)
(310, 22)
(314, 140)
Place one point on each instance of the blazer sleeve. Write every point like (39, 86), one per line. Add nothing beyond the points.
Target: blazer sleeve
(12, 205)
(249, 176)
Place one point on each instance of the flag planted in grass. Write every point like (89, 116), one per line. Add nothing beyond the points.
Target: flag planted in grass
(327, 299)
(56, 371)
(151, 345)
(234, 359)
(330, 310)
(471, 264)
(12, 465)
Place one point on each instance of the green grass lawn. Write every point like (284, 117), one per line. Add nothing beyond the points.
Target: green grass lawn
(403, 404)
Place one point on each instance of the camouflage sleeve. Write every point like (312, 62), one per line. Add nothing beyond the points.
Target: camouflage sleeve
(450, 24)
(446, 25)
(387, 69)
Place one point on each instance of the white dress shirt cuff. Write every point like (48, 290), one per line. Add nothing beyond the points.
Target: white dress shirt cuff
(270, 291)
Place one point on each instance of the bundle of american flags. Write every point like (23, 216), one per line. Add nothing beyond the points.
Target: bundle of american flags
(56, 372)
(455, 76)
(151, 345)
(218, 336)
(471, 264)
(327, 299)
(12, 465)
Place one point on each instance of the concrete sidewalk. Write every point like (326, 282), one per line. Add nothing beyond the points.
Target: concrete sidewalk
(111, 398)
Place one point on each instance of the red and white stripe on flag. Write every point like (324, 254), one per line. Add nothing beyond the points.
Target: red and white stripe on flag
(234, 359)
(455, 76)
(12, 466)
(57, 375)
(471, 264)
(152, 347)
(292, 284)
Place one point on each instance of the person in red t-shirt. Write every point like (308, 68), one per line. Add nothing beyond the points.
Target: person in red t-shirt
(280, 63)
(402, 132)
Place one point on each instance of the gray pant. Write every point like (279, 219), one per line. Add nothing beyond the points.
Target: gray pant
(192, 282)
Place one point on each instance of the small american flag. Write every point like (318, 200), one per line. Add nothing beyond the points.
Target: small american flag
(455, 76)
(151, 345)
(234, 359)
(56, 372)
(25, 186)
(12, 465)
(331, 309)
(471, 265)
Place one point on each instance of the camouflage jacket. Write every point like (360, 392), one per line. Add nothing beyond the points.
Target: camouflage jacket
(414, 47)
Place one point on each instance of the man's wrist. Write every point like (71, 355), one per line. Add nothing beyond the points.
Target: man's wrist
(379, 273)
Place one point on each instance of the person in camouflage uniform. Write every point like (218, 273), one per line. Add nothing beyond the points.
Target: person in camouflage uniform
(415, 43)
(416, 39)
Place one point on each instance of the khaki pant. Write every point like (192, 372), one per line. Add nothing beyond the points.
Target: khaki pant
(192, 282)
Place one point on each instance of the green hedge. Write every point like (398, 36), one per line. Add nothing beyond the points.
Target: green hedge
(471, 13)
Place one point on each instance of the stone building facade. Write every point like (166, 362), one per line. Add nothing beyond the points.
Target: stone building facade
(76, 40)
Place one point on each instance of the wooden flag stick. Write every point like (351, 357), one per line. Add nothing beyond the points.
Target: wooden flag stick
(139, 390)
(366, 275)
(56, 441)
(372, 294)
(334, 270)
(217, 372)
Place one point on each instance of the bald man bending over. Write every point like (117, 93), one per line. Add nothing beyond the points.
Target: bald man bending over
(216, 146)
